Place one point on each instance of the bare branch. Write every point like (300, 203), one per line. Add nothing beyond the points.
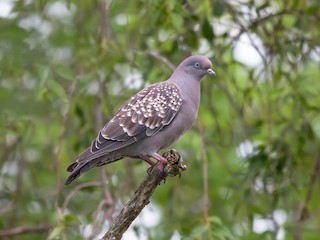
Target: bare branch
(22, 230)
(76, 189)
(163, 59)
(205, 175)
(304, 214)
(65, 117)
(105, 18)
(142, 196)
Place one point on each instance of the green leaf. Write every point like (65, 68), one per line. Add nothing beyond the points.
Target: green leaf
(64, 72)
(199, 230)
(171, 4)
(13, 33)
(70, 218)
(207, 30)
(177, 20)
(288, 21)
(55, 233)
(57, 89)
(313, 9)
(263, 6)
(218, 9)
(216, 220)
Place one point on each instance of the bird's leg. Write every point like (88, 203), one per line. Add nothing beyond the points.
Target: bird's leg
(163, 161)
(148, 160)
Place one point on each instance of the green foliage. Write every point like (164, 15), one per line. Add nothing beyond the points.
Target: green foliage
(66, 67)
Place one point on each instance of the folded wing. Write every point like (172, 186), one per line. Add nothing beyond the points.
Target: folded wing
(142, 116)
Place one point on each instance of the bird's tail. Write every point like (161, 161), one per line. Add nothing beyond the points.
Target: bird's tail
(86, 161)
(79, 168)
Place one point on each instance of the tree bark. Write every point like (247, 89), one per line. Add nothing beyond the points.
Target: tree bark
(142, 195)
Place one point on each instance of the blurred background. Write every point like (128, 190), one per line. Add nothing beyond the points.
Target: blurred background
(253, 155)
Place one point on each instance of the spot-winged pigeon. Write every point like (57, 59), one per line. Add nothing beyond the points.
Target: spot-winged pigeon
(153, 119)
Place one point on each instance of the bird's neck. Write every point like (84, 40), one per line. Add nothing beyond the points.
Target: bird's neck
(188, 86)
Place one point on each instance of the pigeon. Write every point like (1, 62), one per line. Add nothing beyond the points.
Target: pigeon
(151, 120)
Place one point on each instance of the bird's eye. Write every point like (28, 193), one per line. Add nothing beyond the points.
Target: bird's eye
(197, 64)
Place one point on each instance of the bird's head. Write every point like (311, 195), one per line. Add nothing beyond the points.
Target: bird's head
(197, 66)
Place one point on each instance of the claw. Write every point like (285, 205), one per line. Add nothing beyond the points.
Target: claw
(163, 161)
(150, 169)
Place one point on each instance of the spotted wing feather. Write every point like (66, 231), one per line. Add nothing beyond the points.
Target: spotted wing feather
(143, 115)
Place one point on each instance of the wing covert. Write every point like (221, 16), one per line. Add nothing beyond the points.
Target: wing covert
(143, 115)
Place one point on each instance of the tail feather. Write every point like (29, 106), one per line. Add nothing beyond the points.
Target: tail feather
(77, 169)
(85, 162)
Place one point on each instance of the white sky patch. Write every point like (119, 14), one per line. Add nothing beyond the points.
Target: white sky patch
(32, 155)
(280, 216)
(149, 217)
(261, 225)
(132, 77)
(246, 53)
(61, 54)
(281, 234)
(34, 207)
(224, 26)
(121, 19)
(86, 230)
(93, 88)
(5, 8)
(244, 49)
(60, 10)
(163, 35)
(204, 47)
(245, 149)
(175, 236)
(315, 54)
(260, 186)
(36, 22)
(10, 168)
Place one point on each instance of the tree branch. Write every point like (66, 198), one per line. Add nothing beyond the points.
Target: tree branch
(304, 212)
(161, 58)
(22, 230)
(142, 195)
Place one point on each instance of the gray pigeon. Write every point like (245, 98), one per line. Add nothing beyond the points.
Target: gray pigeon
(153, 119)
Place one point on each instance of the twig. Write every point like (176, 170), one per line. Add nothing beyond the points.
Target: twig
(107, 200)
(142, 196)
(22, 230)
(303, 215)
(99, 218)
(19, 185)
(163, 59)
(205, 175)
(65, 116)
(105, 18)
(76, 189)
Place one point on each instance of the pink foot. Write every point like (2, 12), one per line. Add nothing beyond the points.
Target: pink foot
(148, 160)
(163, 161)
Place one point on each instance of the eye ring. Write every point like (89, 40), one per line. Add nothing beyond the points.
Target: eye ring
(197, 64)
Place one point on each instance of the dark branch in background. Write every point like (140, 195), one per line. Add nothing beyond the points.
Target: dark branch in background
(304, 213)
(76, 189)
(105, 19)
(22, 230)
(163, 59)
(105, 207)
(142, 195)
(65, 117)
(205, 174)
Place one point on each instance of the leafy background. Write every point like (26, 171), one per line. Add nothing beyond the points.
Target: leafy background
(253, 156)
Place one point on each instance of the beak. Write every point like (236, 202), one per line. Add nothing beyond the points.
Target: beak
(211, 72)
